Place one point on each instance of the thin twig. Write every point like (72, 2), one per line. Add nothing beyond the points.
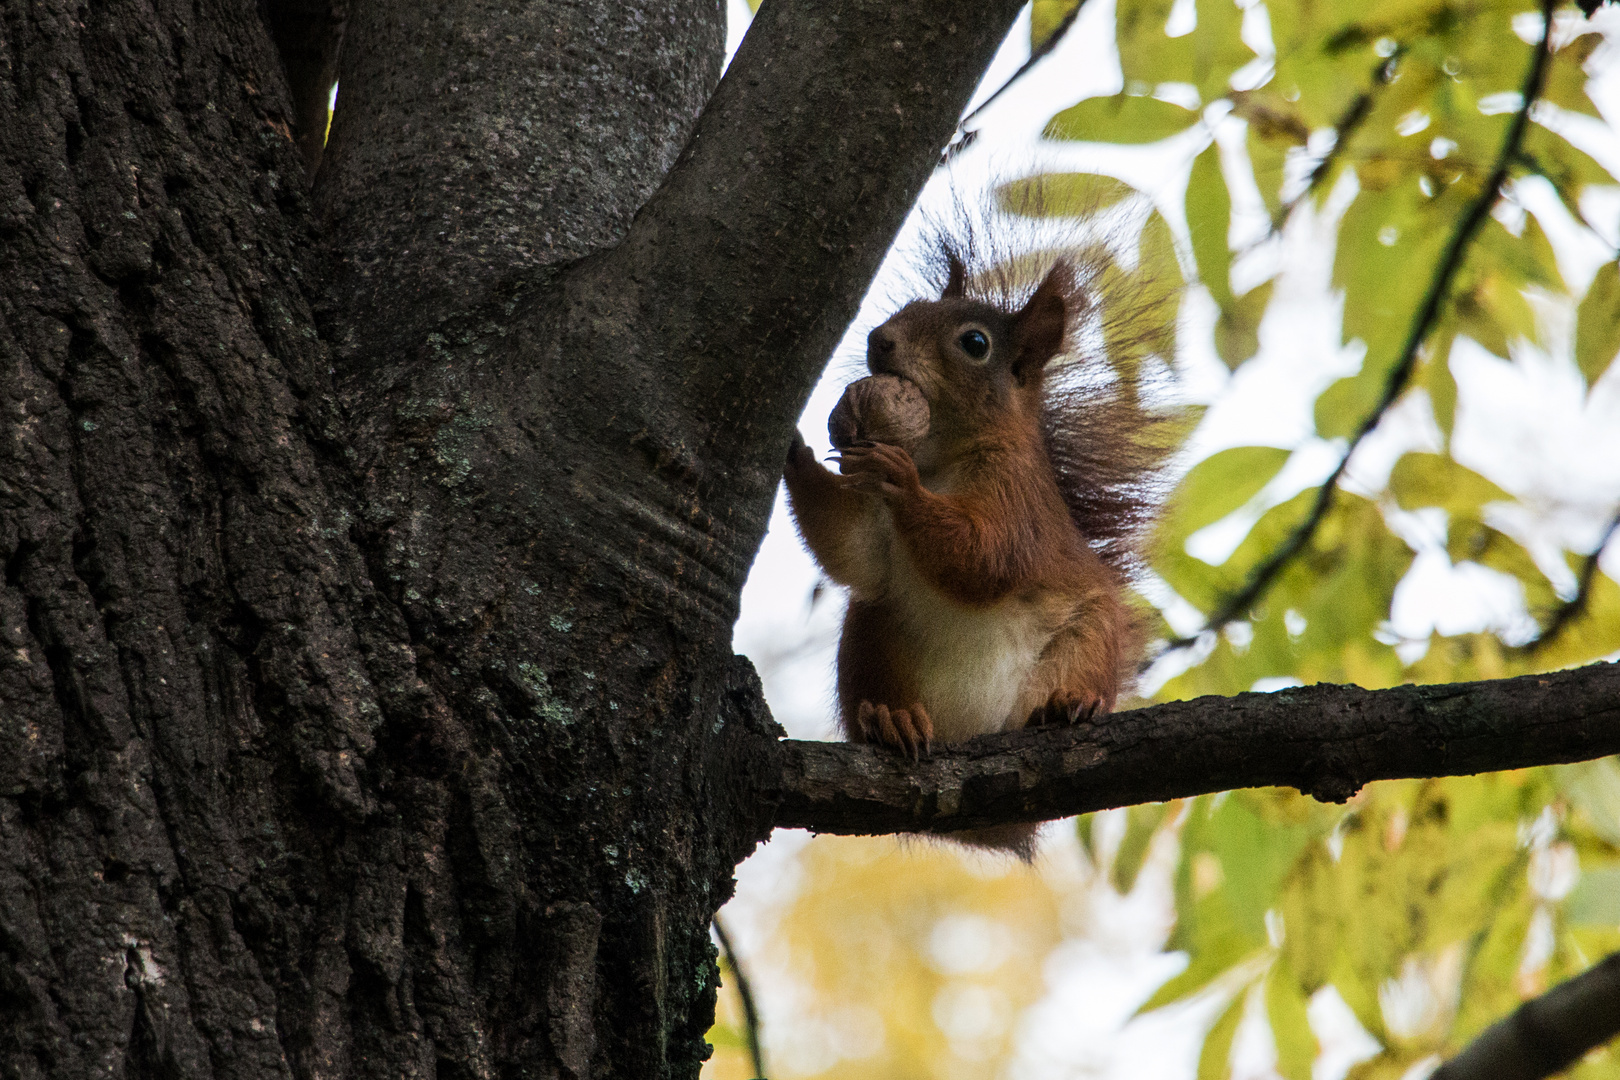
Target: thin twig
(962, 137)
(1569, 612)
(1343, 128)
(750, 1016)
(1450, 261)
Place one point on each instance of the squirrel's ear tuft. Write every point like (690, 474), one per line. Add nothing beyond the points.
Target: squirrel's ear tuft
(1038, 328)
(956, 281)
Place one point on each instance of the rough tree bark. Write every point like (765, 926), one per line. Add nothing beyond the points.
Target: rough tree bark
(371, 557)
(367, 705)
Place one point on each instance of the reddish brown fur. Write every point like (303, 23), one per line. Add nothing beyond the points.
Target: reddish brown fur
(984, 596)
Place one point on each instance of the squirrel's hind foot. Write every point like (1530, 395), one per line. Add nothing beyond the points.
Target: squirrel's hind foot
(1064, 709)
(906, 730)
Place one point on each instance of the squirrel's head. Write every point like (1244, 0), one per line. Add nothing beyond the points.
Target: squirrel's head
(979, 366)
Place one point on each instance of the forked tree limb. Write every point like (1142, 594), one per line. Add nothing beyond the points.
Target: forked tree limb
(1324, 740)
(1548, 1034)
(800, 172)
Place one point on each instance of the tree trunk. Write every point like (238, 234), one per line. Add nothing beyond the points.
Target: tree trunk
(367, 705)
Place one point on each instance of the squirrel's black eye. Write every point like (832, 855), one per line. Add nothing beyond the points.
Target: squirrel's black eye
(975, 344)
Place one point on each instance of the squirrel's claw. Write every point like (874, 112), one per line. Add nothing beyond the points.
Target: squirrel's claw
(1065, 708)
(907, 730)
(879, 468)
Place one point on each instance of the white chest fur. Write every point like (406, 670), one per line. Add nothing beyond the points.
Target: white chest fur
(972, 662)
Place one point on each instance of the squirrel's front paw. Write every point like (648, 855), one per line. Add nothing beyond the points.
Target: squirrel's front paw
(1064, 708)
(879, 469)
(906, 730)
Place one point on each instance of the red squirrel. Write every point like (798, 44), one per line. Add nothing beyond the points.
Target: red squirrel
(980, 522)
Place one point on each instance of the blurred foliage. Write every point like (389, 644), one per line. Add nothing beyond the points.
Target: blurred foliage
(1430, 908)
(908, 959)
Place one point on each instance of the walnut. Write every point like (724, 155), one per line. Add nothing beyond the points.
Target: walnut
(879, 408)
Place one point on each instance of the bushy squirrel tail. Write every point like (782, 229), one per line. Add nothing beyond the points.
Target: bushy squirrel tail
(1016, 839)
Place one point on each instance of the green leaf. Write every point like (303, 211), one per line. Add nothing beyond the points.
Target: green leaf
(1597, 326)
(1420, 480)
(1215, 1059)
(1237, 330)
(1344, 406)
(1141, 306)
(1211, 960)
(1219, 485)
(1593, 634)
(1061, 195)
(1122, 118)
(1389, 249)
(1274, 128)
(1526, 259)
(1489, 301)
(1290, 1027)
(1045, 16)
(1469, 539)
(1435, 376)
(1083, 826)
(1141, 822)
(1392, 1064)
(1565, 84)
(1254, 848)
(1214, 488)
(1568, 167)
(1209, 217)
(1235, 852)
(1593, 789)
(1207, 57)
(1595, 899)
(1494, 312)
(1339, 586)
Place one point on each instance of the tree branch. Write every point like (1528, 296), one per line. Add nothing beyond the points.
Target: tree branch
(1546, 1034)
(801, 170)
(1439, 285)
(1324, 740)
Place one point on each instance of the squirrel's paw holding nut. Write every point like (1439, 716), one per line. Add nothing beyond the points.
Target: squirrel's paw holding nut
(906, 730)
(1064, 709)
(879, 469)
